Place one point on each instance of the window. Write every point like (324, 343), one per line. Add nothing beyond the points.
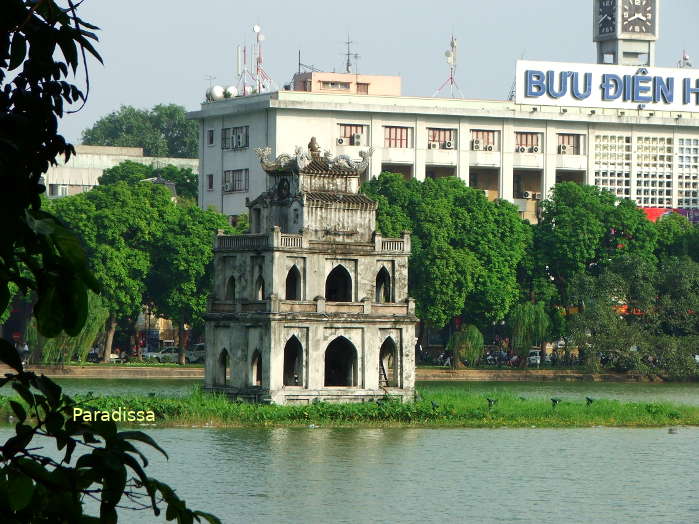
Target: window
(362, 89)
(58, 190)
(335, 85)
(484, 140)
(210, 137)
(398, 137)
(348, 132)
(226, 138)
(526, 142)
(569, 144)
(442, 138)
(235, 180)
(210, 182)
(239, 137)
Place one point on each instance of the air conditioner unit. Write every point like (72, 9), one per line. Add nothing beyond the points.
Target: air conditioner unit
(228, 187)
(340, 141)
(432, 145)
(476, 144)
(527, 194)
(520, 149)
(562, 149)
(534, 149)
(537, 196)
(356, 139)
(489, 147)
(449, 144)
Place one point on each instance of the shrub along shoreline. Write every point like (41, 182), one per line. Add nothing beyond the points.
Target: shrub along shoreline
(435, 409)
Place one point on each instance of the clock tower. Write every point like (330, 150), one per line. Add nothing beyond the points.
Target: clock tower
(626, 31)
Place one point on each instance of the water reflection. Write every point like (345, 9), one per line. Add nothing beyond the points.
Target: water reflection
(323, 475)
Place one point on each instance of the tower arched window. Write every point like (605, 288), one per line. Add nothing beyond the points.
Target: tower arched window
(338, 285)
(230, 288)
(383, 286)
(293, 284)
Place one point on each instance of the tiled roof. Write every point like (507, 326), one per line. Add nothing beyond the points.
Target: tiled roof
(321, 166)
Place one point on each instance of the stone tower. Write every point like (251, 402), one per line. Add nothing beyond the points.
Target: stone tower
(313, 302)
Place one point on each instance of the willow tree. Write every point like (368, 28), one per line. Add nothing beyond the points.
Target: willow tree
(467, 343)
(529, 325)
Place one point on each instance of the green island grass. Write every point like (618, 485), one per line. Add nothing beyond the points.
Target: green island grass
(439, 406)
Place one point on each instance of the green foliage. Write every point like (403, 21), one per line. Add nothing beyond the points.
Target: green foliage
(465, 249)
(108, 466)
(677, 237)
(584, 228)
(467, 343)
(118, 224)
(529, 325)
(444, 404)
(163, 131)
(181, 263)
(63, 348)
(43, 41)
(186, 181)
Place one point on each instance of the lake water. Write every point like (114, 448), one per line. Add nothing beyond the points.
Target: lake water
(685, 393)
(594, 475)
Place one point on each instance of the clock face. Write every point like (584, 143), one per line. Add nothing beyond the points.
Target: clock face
(638, 16)
(606, 21)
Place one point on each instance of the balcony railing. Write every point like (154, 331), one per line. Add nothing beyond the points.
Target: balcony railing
(242, 241)
(291, 240)
(392, 245)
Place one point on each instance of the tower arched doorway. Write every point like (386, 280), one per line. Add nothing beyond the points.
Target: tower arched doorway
(293, 362)
(224, 364)
(256, 369)
(340, 364)
(388, 364)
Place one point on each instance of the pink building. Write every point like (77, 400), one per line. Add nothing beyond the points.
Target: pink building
(349, 83)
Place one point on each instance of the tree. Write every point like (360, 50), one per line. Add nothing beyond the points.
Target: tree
(39, 254)
(182, 258)
(163, 131)
(118, 224)
(584, 228)
(186, 181)
(466, 344)
(677, 237)
(465, 249)
(529, 324)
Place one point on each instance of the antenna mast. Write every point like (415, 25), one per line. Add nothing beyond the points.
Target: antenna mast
(450, 55)
(349, 55)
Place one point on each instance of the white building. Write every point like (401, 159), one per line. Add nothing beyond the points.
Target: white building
(512, 151)
(639, 140)
(82, 171)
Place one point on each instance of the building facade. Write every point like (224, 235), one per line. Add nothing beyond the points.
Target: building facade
(517, 152)
(313, 302)
(81, 173)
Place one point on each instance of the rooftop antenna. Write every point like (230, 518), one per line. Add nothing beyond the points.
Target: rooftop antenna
(450, 55)
(684, 62)
(263, 81)
(211, 79)
(246, 80)
(349, 55)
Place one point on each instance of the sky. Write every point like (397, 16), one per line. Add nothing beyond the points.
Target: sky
(162, 51)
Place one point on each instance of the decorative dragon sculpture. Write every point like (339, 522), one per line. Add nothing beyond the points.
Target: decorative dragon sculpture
(302, 158)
